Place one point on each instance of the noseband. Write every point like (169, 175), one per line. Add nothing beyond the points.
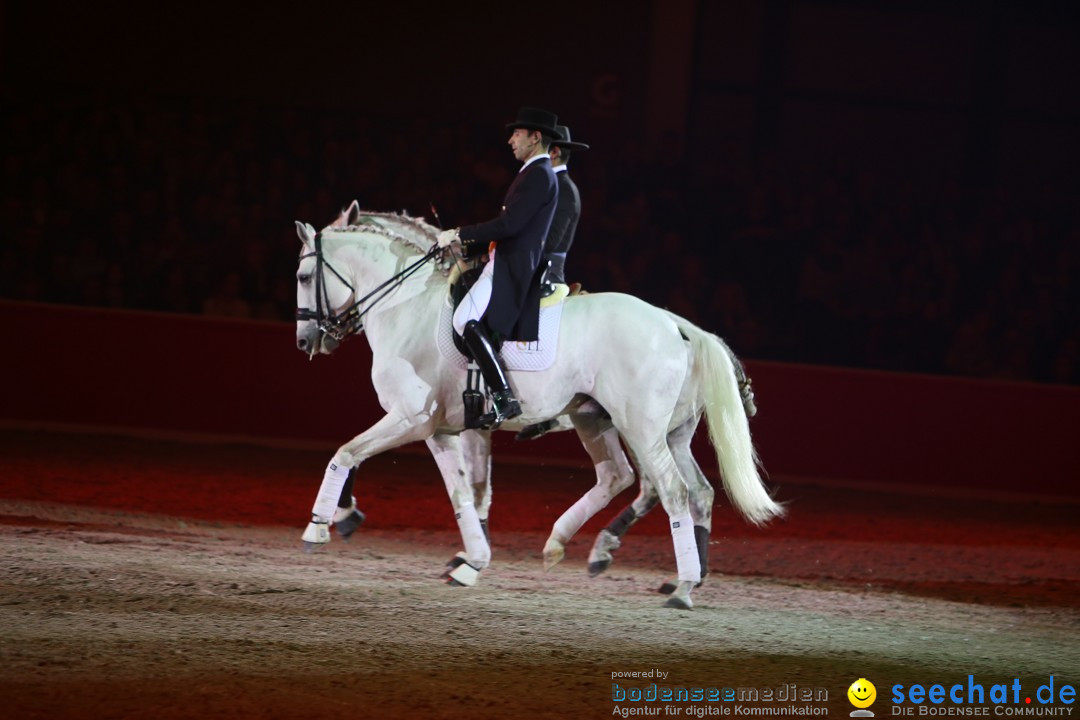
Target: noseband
(350, 320)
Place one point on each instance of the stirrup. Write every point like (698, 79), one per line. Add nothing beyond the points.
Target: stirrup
(491, 420)
(504, 406)
(486, 421)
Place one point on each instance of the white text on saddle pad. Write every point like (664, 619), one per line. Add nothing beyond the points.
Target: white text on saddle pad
(516, 356)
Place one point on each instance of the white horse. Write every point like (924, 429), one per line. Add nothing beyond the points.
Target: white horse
(627, 356)
(599, 438)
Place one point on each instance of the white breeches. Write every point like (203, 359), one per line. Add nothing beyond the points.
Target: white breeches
(474, 303)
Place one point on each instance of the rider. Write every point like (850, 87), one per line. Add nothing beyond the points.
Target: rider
(560, 237)
(568, 209)
(504, 304)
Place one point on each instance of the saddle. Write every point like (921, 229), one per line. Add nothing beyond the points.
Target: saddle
(516, 356)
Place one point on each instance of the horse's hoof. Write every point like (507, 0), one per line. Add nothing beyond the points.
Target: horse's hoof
(452, 564)
(554, 552)
(596, 568)
(316, 534)
(600, 557)
(679, 603)
(670, 587)
(350, 524)
(464, 575)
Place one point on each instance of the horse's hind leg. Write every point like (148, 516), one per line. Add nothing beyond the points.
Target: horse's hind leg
(656, 461)
(609, 539)
(613, 475)
(700, 494)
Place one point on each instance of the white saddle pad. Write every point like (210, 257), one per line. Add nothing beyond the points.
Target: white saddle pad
(516, 356)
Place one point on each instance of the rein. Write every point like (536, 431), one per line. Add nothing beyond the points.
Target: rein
(349, 321)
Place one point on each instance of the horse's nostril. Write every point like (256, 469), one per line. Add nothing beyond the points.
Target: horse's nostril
(302, 343)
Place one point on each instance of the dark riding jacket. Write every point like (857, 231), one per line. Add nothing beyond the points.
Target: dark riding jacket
(563, 226)
(519, 233)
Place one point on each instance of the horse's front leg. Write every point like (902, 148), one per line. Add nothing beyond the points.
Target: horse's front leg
(464, 569)
(476, 453)
(348, 518)
(393, 430)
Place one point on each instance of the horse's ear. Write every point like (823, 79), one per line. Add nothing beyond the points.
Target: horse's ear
(306, 233)
(347, 217)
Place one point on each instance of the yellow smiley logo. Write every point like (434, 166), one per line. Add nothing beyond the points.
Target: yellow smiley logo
(862, 693)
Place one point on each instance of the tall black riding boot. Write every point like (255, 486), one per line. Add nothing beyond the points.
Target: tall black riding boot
(505, 404)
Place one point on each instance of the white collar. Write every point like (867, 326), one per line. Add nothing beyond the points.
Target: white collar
(533, 159)
(559, 168)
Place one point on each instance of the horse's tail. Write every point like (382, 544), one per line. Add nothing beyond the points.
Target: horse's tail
(729, 429)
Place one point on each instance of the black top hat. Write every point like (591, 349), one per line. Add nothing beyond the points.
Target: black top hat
(563, 139)
(535, 119)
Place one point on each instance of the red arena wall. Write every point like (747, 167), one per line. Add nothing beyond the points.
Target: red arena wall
(178, 375)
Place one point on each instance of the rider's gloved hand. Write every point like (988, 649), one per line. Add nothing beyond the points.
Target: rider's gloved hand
(446, 237)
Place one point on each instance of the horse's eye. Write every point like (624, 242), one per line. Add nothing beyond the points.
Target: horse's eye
(303, 279)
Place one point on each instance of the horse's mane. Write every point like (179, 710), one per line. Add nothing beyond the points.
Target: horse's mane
(409, 230)
(399, 227)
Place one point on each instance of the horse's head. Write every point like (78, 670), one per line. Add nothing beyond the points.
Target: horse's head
(323, 296)
(360, 251)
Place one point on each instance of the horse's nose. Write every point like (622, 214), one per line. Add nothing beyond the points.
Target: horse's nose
(302, 344)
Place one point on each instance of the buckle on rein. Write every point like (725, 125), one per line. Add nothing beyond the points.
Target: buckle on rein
(337, 327)
(340, 327)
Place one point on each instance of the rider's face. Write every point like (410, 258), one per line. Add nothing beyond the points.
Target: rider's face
(524, 143)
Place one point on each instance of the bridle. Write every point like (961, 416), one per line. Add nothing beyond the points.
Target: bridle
(350, 320)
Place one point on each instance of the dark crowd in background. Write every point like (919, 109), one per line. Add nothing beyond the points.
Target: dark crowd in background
(190, 209)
